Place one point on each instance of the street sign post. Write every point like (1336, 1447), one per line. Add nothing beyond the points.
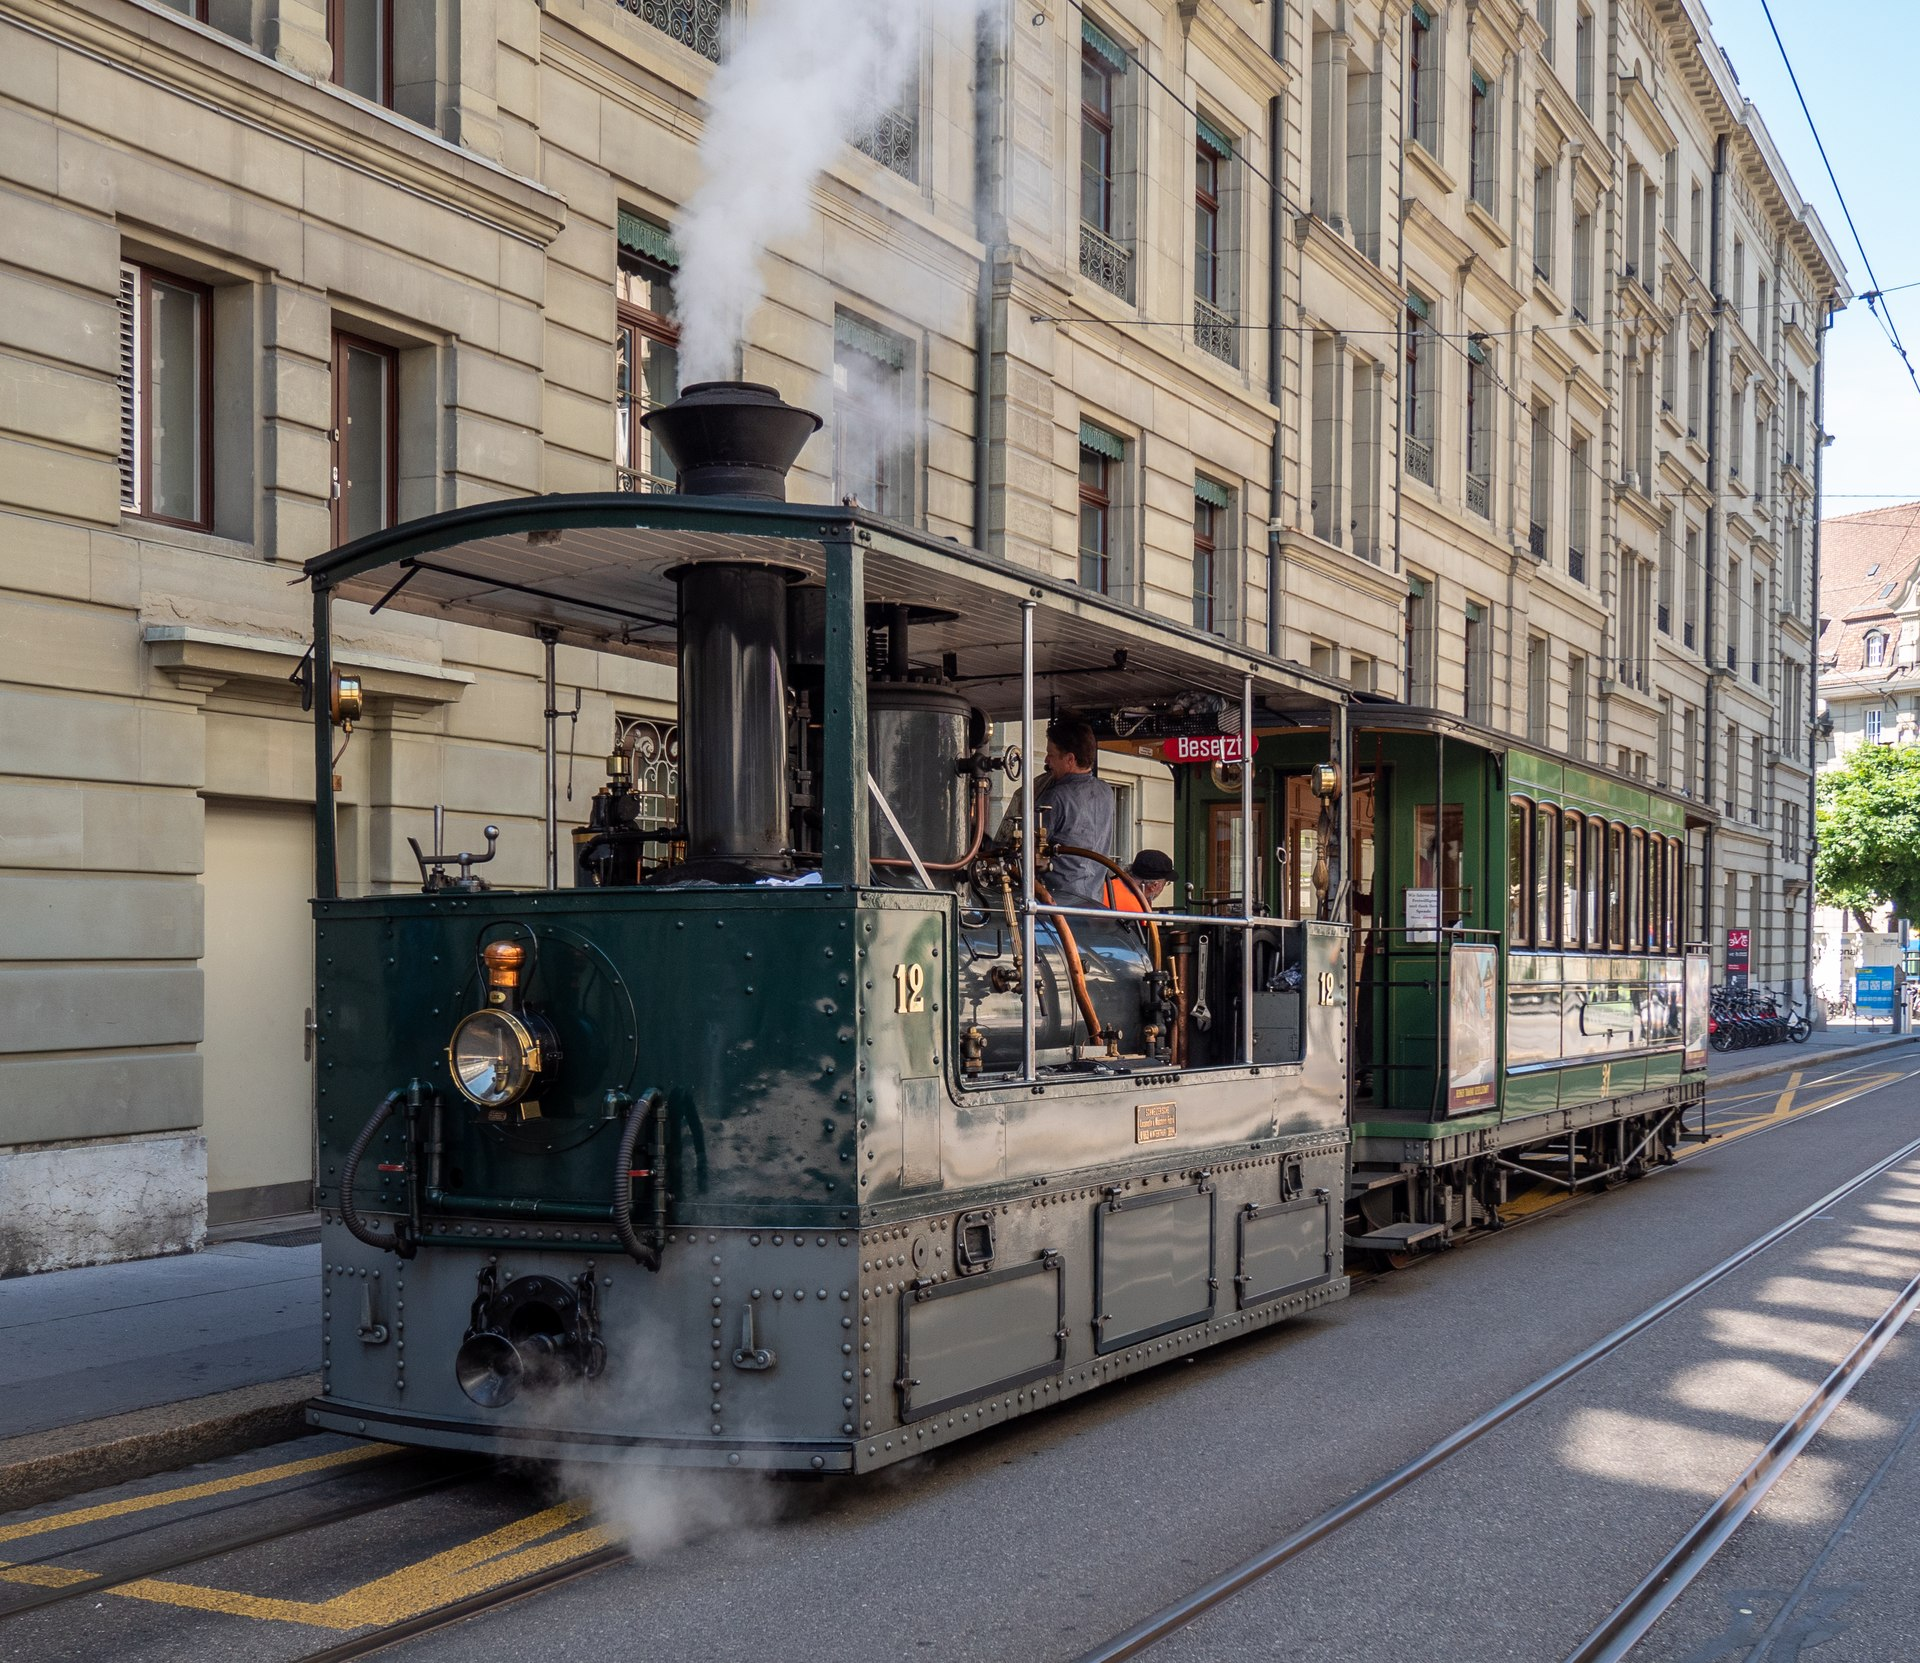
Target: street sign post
(1737, 957)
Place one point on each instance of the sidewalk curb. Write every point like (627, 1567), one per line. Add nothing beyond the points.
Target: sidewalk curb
(1803, 1059)
(38, 1467)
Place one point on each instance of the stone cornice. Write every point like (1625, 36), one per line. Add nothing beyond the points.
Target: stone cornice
(243, 86)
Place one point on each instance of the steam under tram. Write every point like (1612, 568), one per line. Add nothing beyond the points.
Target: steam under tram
(816, 1130)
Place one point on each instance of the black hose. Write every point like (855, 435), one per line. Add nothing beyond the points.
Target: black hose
(397, 1237)
(647, 1252)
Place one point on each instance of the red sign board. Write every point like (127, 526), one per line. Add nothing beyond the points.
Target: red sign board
(1204, 747)
(1737, 950)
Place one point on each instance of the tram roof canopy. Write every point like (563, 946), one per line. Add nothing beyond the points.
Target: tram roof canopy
(595, 570)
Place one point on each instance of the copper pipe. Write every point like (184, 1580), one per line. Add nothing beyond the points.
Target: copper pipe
(981, 792)
(1126, 877)
(1076, 971)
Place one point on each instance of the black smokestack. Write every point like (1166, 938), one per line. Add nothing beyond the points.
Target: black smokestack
(732, 439)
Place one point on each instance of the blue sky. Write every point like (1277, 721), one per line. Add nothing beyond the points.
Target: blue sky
(1854, 65)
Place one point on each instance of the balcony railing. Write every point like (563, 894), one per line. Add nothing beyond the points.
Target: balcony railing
(1537, 541)
(1478, 494)
(1577, 564)
(1215, 331)
(1108, 263)
(1420, 460)
(701, 24)
(893, 142)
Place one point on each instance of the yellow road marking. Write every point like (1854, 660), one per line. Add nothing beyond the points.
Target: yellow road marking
(189, 1492)
(499, 1556)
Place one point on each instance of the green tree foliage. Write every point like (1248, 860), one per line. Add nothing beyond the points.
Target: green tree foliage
(1869, 830)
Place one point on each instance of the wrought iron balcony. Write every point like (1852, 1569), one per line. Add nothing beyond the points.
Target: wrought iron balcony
(1216, 331)
(701, 24)
(1108, 263)
(893, 142)
(1577, 565)
(1478, 495)
(1420, 460)
(1537, 541)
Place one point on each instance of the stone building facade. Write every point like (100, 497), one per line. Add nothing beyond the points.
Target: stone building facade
(1464, 351)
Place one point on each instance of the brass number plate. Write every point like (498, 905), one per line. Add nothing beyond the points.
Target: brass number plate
(1153, 1122)
(1329, 987)
(909, 989)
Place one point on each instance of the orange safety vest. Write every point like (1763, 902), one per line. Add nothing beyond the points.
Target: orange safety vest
(1121, 896)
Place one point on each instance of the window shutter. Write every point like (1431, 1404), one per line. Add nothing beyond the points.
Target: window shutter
(1104, 46)
(652, 242)
(1422, 16)
(1213, 138)
(1475, 351)
(1102, 443)
(1212, 494)
(1418, 305)
(129, 388)
(863, 337)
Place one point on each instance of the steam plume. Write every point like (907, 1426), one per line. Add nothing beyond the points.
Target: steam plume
(802, 78)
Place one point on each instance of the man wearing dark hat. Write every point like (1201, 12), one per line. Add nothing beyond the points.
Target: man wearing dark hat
(1151, 872)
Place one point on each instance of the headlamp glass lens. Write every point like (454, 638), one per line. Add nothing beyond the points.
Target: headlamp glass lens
(488, 1054)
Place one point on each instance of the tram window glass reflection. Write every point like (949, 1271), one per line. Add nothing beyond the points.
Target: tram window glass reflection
(1656, 892)
(1519, 868)
(1546, 857)
(1592, 925)
(1436, 860)
(1226, 851)
(1572, 829)
(1616, 919)
(1676, 893)
(1636, 875)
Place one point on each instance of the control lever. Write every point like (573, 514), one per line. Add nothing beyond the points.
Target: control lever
(1202, 1017)
(433, 868)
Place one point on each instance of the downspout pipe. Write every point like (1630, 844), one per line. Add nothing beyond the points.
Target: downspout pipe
(1715, 456)
(1813, 668)
(990, 228)
(1276, 465)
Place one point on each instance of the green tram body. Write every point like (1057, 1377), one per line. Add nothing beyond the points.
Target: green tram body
(866, 1251)
(1596, 1068)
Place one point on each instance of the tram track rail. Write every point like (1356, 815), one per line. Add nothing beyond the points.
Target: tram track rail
(1179, 1614)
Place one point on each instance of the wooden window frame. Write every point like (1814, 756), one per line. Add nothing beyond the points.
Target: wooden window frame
(1101, 497)
(657, 327)
(337, 40)
(1206, 211)
(1593, 870)
(1614, 897)
(1101, 120)
(1676, 893)
(1636, 891)
(1573, 853)
(1546, 889)
(343, 340)
(1206, 548)
(142, 394)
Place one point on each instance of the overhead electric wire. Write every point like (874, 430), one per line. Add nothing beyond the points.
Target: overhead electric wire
(1874, 296)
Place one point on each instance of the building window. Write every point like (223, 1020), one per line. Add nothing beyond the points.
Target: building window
(1697, 227)
(1422, 372)
(1103, 256)
(1210, 522)
(195, 9)
(1759, 784)
(1483, 143)
(1423, 81)
(1876, 650)
(1579, 496)
(1539, 692)
(1101, 454)
(1757, 631)
(166, 410)
(1548, 12)
(1738, 292)
(872, 418)
(366, 426)
(1874, 716)
(893, 139)
(1543, 188)
(1479, 429)
(1690, 627)
(1213, 318)
(1576, 704)
(646, 355)
(1419, 641)
(1663, 608)
(1583, 61)
(1479, 663)
(361, 33)
(1696, 382)
(700, 24)
(1583, 265)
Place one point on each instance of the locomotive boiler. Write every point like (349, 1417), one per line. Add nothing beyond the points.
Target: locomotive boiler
(810, 1128)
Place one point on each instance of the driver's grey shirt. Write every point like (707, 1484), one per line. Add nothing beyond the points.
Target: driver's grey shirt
(1079, 812)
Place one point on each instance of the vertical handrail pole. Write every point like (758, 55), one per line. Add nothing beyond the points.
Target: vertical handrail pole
(1028, 967)
(843, 783)
(326, 860)
(1249, 868)
(551, 758)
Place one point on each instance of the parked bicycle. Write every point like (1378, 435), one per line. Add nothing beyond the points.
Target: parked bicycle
(1739, 1018)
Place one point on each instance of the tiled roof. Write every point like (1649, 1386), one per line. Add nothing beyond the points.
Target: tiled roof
(1867, 563)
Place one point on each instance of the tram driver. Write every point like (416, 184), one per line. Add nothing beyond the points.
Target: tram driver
(1151, 871)
(1076, 808)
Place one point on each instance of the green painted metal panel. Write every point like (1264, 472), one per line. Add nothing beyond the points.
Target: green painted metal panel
(1532, 1093)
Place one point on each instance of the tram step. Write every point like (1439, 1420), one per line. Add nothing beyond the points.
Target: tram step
(1395, 1238)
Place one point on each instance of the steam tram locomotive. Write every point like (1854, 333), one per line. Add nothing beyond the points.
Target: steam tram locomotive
(816, 1130)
